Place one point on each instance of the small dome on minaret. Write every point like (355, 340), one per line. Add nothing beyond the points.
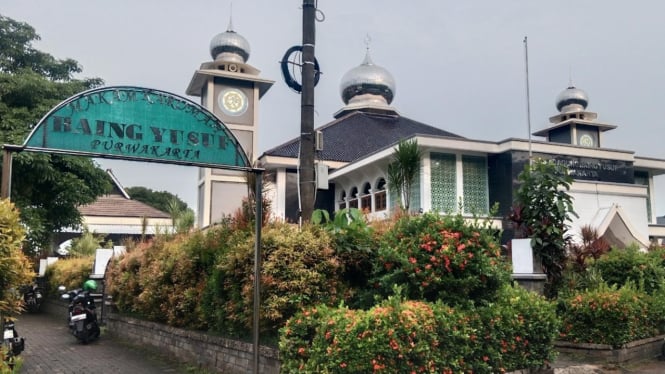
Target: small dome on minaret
(229, 46)
(572, 99)
(368, 83)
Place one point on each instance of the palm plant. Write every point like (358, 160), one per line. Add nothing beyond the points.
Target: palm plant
(404, 170)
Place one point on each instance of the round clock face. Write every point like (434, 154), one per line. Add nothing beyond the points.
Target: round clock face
(232, 102)
(586, 140)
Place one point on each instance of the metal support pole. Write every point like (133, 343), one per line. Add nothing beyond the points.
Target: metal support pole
(307, 184)
(6, 174)
(528, 98)
(258, 197)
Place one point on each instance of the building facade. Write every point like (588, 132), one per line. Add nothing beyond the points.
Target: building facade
(613, 189)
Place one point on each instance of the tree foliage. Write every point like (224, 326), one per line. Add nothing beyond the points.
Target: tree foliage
(162, 200)
(47, 188)
(543, 209)
(182, 217)
(87, 244)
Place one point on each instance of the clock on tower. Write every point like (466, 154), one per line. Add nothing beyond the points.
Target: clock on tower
(232, 102)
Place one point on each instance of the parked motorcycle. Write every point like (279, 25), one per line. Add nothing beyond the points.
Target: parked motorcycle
(12, 344)
(82, 312)
(32, 297)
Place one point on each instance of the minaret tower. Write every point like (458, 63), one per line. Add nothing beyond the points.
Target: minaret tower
(231, 89)
(574, 124)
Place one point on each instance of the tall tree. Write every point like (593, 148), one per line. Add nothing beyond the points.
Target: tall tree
(47, 188)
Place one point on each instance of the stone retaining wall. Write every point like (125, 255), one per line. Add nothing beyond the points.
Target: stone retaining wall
(602, 353)
(197, 348)
(200, 349)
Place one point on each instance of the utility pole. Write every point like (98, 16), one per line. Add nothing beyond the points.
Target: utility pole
(306, 172)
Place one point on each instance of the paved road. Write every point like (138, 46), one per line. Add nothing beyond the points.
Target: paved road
(50, 349)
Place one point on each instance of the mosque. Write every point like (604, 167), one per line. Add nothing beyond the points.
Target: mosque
(613, 190)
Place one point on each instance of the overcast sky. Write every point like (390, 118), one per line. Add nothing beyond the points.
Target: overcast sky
(458, 65)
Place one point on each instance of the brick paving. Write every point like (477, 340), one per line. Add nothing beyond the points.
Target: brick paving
(51, 349)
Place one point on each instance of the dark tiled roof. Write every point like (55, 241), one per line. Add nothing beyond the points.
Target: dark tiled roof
(115, 205)
(360, 134)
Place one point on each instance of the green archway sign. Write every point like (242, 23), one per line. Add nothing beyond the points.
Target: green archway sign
(141, 124)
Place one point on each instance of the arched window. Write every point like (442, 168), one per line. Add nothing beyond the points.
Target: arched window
(380, 195)
(353, 198)
(342, 200)
(366, 197)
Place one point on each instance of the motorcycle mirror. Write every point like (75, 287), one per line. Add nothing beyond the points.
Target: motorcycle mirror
(61, 288)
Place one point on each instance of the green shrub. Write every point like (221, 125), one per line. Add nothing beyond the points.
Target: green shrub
(398, 336)
(299, 268)
(657, 310)
(171, 283)
(122, 282)
(354, 242)
(165, 280)
(519, 330)
(393, 337)
(11, 366)
(15, 268)
(620, 266)
(607, 315)
(441, 258)
(70, 272)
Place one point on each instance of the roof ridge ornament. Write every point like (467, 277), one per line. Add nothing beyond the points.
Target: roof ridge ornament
(229, 28)
(368, 58)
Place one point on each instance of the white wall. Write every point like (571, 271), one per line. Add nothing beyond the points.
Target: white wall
(589, 197)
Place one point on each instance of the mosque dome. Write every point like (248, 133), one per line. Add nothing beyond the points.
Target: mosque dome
(572, 100)
(229, 46)
(367, 80)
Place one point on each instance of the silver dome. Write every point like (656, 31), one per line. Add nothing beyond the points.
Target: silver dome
(572, 100)
(229, 46)
(367, 78)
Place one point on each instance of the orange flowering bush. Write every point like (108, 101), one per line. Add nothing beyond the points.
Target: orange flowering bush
(402, 336)
(444, 258)
(517, 331)
(608, 315)
(393, 337)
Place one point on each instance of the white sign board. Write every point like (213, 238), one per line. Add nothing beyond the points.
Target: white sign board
(102, 257)
(45, 263)
(522, 256)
